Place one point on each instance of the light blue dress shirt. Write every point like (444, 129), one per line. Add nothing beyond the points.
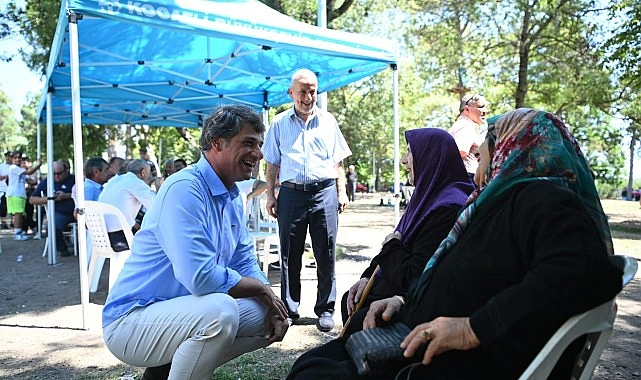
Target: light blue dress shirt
(92, 190)
(306, 152)
(192, 241)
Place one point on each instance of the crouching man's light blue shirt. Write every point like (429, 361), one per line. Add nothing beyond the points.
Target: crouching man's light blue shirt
(192, 241)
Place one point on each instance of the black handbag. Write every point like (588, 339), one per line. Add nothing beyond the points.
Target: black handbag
(375, 350)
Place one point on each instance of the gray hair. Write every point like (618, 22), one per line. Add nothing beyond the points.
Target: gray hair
(302, 73)
(137, 165)
(226, 122)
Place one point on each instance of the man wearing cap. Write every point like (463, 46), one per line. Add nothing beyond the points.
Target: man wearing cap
(466, 130)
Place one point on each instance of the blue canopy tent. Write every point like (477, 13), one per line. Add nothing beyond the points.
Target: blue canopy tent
(170, 62)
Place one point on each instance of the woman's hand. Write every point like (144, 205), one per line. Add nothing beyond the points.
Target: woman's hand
(354, 294)
(382, 311)
(441, 334)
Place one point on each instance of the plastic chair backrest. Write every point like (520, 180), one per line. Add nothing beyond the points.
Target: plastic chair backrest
(596, 324)
(101, 245)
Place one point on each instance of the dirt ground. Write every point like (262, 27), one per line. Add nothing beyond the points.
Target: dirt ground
(41, 320)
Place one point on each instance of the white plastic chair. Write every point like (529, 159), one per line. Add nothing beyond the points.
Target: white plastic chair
(101, 246)
(596, 324)
(263, 230)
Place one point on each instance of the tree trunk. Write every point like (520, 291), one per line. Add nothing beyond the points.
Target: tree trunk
(633, 145)
(524, 58)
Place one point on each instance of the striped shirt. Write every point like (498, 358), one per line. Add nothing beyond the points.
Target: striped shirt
(306, 152)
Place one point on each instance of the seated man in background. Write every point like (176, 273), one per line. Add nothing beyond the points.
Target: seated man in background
(127, 192)
(179, 164)
(191, 295)
(64, 205)
(97, 173)
(117, 166)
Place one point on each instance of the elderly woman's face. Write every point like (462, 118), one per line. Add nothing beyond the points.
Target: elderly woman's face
(408, 162)
(480, 178)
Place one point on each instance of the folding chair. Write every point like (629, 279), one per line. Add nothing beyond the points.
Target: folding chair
(595, 324)
(100, 244)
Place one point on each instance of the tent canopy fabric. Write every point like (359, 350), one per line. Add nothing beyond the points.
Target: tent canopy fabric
(170, 62)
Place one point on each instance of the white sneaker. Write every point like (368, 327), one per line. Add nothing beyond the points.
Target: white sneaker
(20, 237)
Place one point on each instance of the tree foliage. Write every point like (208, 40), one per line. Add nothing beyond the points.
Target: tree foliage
(10, 138)
(545, 54)
(624, 46)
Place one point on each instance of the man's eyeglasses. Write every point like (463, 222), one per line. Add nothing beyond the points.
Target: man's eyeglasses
(58, 173)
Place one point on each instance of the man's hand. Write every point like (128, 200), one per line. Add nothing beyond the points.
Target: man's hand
(61, 196)
(272, 205)
(276, 323)
(342, 200)
(275, 306)
(382, 311)
(275, 328)
(441, 334)
(354, 294)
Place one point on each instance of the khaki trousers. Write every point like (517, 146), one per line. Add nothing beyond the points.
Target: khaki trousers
(195, 333)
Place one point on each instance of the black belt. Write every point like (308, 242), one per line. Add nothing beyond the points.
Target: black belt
(314, 186)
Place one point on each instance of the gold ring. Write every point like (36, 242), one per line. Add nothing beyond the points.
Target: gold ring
(426, 335)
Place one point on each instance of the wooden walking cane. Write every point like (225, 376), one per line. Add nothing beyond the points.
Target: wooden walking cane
(361, 301)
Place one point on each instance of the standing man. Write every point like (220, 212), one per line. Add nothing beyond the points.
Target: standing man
(304, 149)
(17, 193)
(466, 130)
(4, 176)
(352, 180)
(192, 293)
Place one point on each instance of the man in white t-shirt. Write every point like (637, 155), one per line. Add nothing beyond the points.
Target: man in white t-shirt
(4, 176)
(466, 130)
(17, 193)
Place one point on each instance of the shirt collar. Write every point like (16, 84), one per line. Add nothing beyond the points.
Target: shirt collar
(213, 182)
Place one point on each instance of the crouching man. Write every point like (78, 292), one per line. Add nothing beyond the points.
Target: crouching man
(191, 296)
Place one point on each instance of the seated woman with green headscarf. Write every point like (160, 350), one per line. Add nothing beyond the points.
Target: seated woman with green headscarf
(529, 251)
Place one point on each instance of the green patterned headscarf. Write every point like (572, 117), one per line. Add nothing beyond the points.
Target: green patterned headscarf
(532, 145)
(526, 145)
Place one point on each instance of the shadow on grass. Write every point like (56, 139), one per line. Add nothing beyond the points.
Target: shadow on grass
(626, 229)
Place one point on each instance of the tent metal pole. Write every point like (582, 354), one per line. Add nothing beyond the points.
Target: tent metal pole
(78, 165)
(38, 234)
(51, 203)
(396, 144)
(322, 22)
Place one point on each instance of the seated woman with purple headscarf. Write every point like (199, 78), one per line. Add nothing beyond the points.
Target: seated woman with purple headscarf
(442, 186)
